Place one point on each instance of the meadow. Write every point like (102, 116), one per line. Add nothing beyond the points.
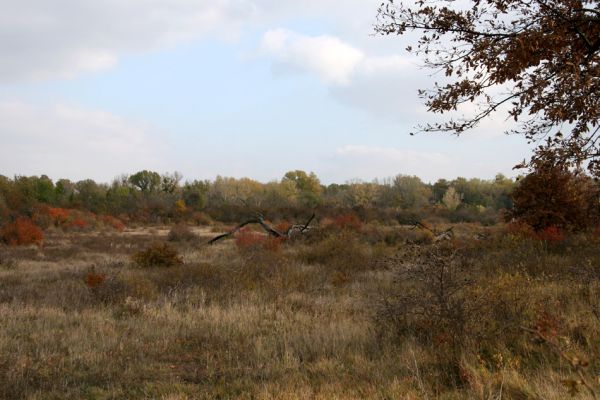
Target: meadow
(346, 311)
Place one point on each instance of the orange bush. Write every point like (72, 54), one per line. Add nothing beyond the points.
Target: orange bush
(21, 232)
(114, 222)
(59, 215)
(78, 223)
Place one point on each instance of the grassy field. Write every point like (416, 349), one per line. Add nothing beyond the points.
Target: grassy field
(369, 312)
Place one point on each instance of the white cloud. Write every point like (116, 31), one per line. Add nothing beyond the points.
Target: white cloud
(329, 57)
(382, 85)
(48, 39)
(65, 141)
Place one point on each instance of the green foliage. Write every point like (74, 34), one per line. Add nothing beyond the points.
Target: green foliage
(146, 181)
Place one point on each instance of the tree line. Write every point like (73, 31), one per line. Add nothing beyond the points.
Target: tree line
(148, 196)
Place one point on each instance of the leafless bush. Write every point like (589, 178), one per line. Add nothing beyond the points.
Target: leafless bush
(428, 297)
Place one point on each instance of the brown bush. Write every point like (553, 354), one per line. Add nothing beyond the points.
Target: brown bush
(181, 233)
(157, 255)
(202, 219)
(343, 251)
(452, 308)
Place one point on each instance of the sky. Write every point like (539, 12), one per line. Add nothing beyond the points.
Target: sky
(242, 88)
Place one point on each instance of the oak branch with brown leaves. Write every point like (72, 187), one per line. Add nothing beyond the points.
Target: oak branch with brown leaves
(536, 60)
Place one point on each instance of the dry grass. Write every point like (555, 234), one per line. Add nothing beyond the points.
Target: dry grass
(296, 323)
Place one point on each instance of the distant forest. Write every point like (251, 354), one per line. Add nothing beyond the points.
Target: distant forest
(150, 197)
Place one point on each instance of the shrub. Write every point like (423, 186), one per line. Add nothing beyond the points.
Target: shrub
(427, 303)
(342, 251)
(181, 233)
(157, 255)
(113, 222)
(521, 230)
(78, 223)
(442, 300)
(94, 280)
(21, 232)
(200, 218)
(552, 234)
(347, 221)
(59, 216)
(247, 239)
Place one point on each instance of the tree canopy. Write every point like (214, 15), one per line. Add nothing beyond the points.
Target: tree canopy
(538, 61)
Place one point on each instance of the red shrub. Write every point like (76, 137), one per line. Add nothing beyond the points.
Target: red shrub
(248, 239)
(78, 223)
(21, 232)
(348, 221)
(59, 215)
(94, 280)
(551, 234)
(114, 222)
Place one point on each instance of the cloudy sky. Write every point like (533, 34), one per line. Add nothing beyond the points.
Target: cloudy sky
(95, 89)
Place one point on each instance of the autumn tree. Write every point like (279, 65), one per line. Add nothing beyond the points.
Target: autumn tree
(552, 194)
(308, 185)
(537, 61)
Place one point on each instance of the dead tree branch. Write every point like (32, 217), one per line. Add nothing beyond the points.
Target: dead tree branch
(259, 219)
(438, 235)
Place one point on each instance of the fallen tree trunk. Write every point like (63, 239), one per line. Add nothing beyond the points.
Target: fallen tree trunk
(270, 230)
(437, 235)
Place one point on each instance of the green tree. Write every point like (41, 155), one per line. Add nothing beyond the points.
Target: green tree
(439, 190)
(413, 192)
(90, 195)
(195, 194)
(146, 181)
